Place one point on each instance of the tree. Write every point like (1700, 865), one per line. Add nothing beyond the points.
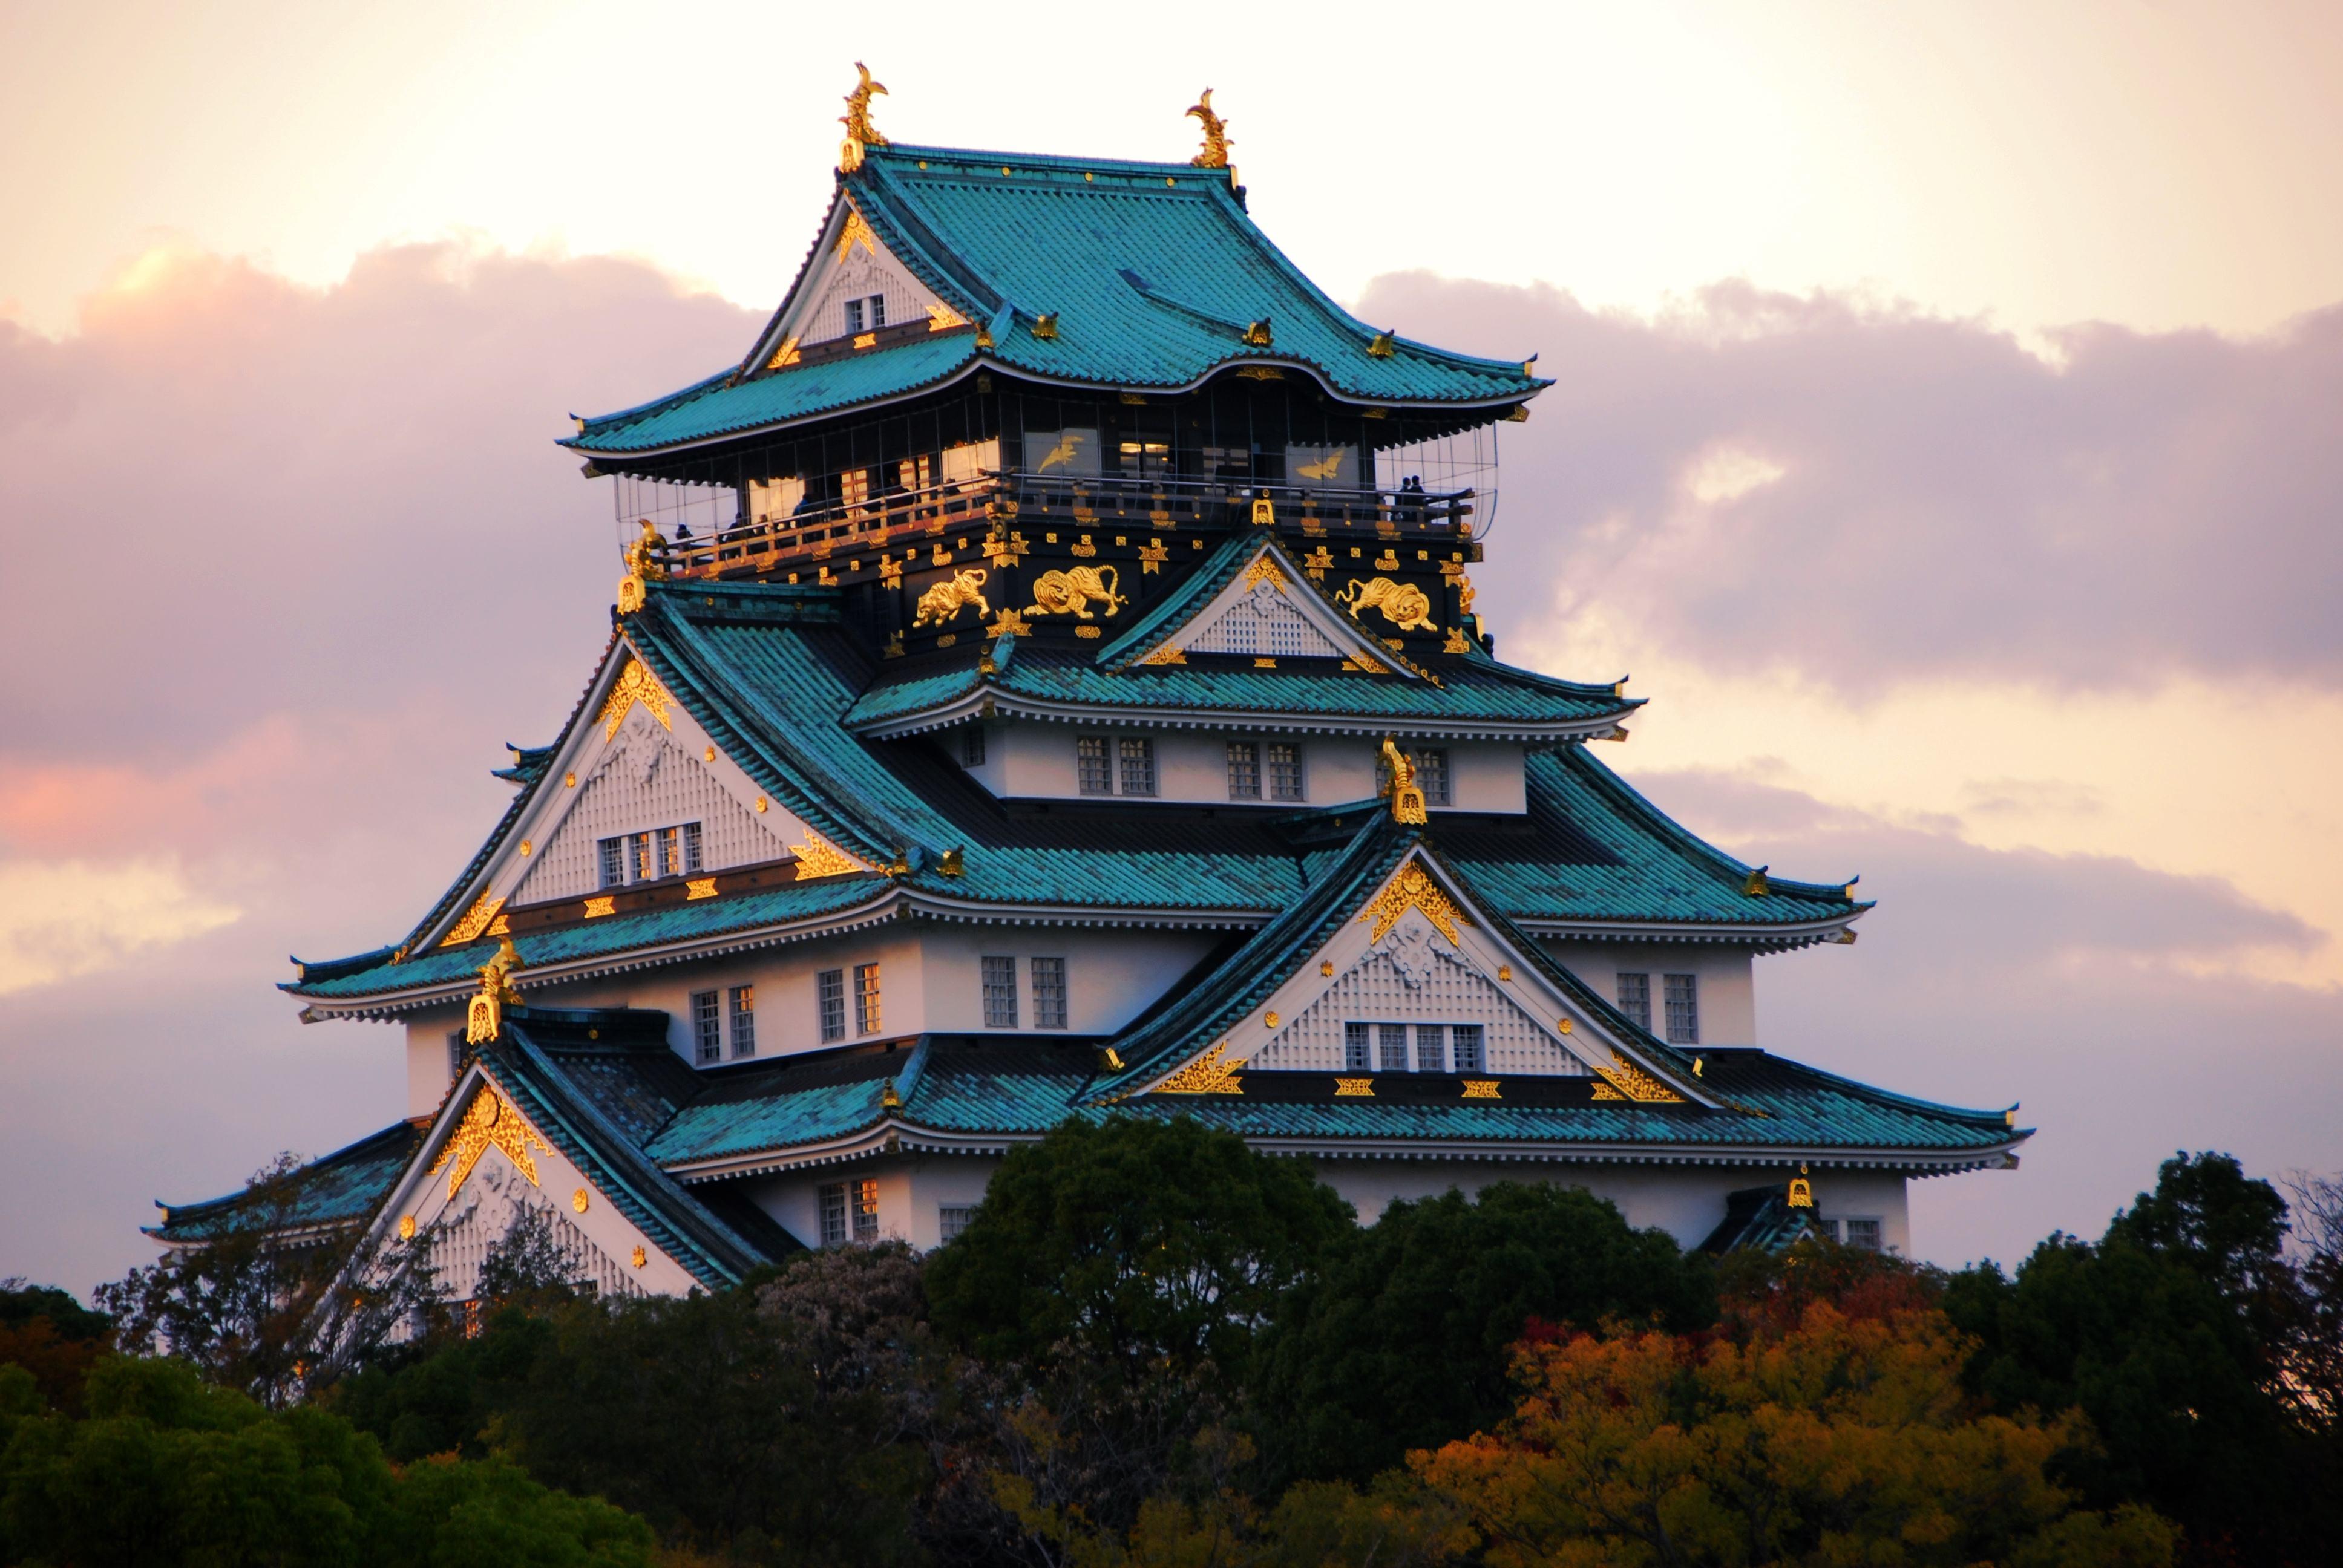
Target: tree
(53, 1337)
(1404, 1338)
(1840, 1441)
(1132, 1243)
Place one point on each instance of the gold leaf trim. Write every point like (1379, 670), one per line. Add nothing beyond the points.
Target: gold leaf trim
(608, 904)
(1354, 1088)
(1264, 568)
(1204, 1074)
(818, 857)
(1404, 604)
(1413, 889)
(1166, 655)
(489, 1123)
(475, 921)
(635, 684)
(699, 888)
(1634, 1083)
(1481, 1088)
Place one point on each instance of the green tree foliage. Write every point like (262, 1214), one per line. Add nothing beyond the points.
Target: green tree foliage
(166, 1469)
(53, 1337)
(2173, 1335)
(1404, 1338)
(1132, 1243)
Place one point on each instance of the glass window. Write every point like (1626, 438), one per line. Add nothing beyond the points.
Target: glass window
(614, 862)
(1635, 999)
(833, 1214)
(951, 1220)
(1061, 453)
(670, 852)
(854, 316)
(1245, 770)
(645, 858)
(831, 987)
(972, 746)
(1284, 771)
(744, 1020)
(1431, 776)
(691, 861)
(1431, 1047)
(1000, 992)
(1390, 1046)
(1683, 1010)
(1090, 763)
(865, 1209)
(707, 1026)
(1356, 1054)
(877, 311)
(1137, 765)
(1321, 466)
(1048, 993)
(866, 998)
(1862, 1233)
(1469, 1056)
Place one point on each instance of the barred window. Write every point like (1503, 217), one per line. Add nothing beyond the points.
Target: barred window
(706, 1028)
(1284, 771)
(1635, 999)
(1431, 1047)
(1000, 992)
(614, 862)
(1431, 776)
(1390, 1046)
(951, 1220)
(865, 1194)
(854, 316)
(1469, 1055)
(833, 1214)
(1245, 770)
(877, 311)
(829, 987)
(1683, 1010)
(1862, 1233)
(1097, 778)
(866, 998)
(647, 856)
(1137, 765)
(972, 746)
(1356, 1056)
(744, 1020)
(691, 861)
(1048, 993)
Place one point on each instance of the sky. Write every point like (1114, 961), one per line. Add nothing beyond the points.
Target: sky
(1943, 440)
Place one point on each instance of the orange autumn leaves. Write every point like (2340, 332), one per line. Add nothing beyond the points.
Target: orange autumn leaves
(1837, 1441)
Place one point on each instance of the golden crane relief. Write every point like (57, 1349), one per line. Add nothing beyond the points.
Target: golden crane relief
(1403, 604)
(643, 566)
(489, 1123)
(859, 132)
(1069, 592)
(486, 1015)
(1406, 798)
(947, 599)
(1068, 447)
(1216, 140)
(1330, 467)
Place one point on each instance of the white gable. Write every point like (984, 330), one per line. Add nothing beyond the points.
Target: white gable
(852, 264)
(1263, 612)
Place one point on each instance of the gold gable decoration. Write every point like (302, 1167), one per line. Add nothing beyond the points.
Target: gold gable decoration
(1413, 889)
(818, 857)
(856, 231)
(635, 684)
(1206, 1074)
(1264, 568)
(489, 1123)
(475, 921)
(1629, 1081)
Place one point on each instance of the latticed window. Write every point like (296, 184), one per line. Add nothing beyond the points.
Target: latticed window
(1431, 776)
(849, 1212)
(1390, 1046)
(614, 862)
(951, 1220)
(1635, 999)
(830, 991)
(1137, 765)
(691, 861)
(1048, 993)
(647, 856)
(1284, 771)
(833, 1214)
(1000, 992)
(1467, 1040)
(1862, 1233)
(744, 1020)
(706, 1027)
(1683, 1010)
(1096, 775)
(972, 746)
(1431, 1047)
(1357, 1051)
(1245, 770)
(866, 998)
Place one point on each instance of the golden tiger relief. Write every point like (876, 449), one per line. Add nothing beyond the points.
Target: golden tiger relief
(1071, 592)
(1404, 604)
(947, 599)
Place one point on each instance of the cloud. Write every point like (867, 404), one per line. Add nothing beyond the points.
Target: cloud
(60, 920)
(1861, 495)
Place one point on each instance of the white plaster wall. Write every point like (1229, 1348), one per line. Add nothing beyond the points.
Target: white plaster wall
(1487, 776)
(426, 1058)
(913, 1191)
(1110, 976)
(1728, 997)
(1035, 760)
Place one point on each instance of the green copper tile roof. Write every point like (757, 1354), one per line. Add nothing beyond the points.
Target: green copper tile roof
(337, 1189)
(1152, 271)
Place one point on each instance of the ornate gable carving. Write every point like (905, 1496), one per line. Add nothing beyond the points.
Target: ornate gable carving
(1265, 612)
(856, 266)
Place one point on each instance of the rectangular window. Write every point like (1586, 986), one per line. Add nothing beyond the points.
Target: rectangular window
(1683, 1010)
(1137, 765)
(1284, 771)
(1635, 999)
(854, 316)
(744, 1020)
(1431, 776)
(645, 858)
(1000, 992)
(670, 852)
(1356, 1056)
(833, 1214)
(1431, 1047)
(1245, 770)
(1048, 993)
(456, 1043)
(1089, 761)
(1862, 1233)
(614, 862)
(866, 998)
(1390, 1046)
(706, 1025)
(829, 987)
(865, 1209)
(951, 1220)
(972, 746)
(1469, 1055)
(691, 861)
(877, 311)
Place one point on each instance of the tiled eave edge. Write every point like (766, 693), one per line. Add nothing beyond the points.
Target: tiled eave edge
(990, 701)
(1770, 939)
(895, 1136)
